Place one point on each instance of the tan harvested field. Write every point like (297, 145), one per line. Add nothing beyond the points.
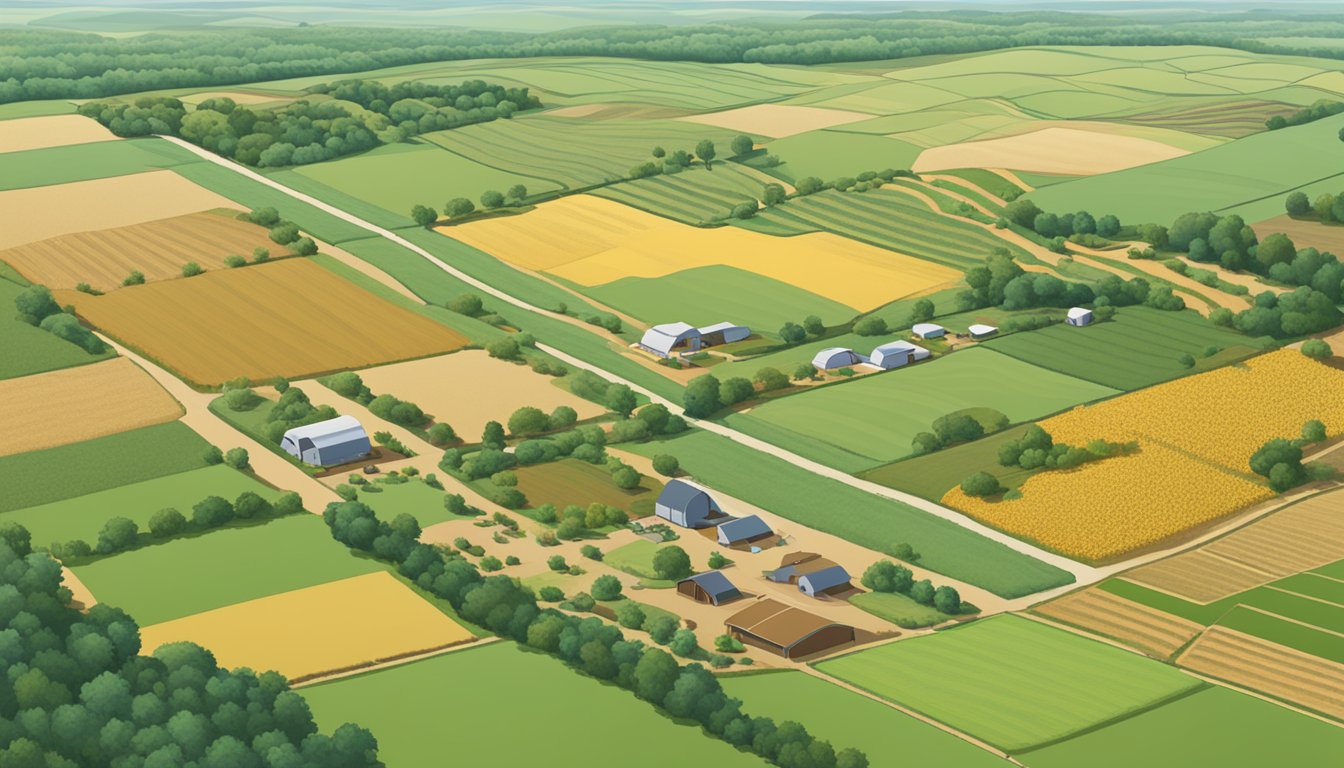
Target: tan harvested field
(1297, 538)
(470, 388)
(1270, 668)
(777, 120)
(1226, 119)
(103, 258)
(1050, 150)
(1138, 626)
(37, 213)
(50, 131)
(74, 404)
(287, 318)
(330, 627)
(592, 241)
(1304, 234)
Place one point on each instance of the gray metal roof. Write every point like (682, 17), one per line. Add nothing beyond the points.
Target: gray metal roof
(744, 528)
(714, 583)
(720, 327)
(679, 495)
(825, 578)
(664, 337)
(341, 429)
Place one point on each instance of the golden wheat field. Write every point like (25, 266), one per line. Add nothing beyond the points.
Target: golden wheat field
(591, 241)
(73, 404)
(329, 627)
(158, 249)
(288, 318)
(50, 131)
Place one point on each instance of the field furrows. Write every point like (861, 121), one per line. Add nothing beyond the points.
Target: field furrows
(1200, 576)
(1136, 625)
(1269, 668)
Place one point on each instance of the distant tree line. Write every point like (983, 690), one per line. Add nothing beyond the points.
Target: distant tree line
(954, 428)
(891, 578)
(1080, 227)
(1318, 110)
(1001, 282)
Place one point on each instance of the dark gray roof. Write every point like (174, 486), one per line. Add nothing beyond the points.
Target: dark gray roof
(679, 495)
(825, 578)
(714, 582)
(744, 528)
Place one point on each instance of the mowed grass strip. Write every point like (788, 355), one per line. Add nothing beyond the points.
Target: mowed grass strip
(1011, 681)
(403, 706)
(59, 407)
(29, 349)
(223, 567)
(324, 628)
(83, 162)
(289, 318)
(571, 481)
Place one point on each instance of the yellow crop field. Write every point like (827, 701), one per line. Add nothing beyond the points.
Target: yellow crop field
(73, 404)
(288, 318)
(592, 241)
(50, 131)
(1196, 437)
(334, 626)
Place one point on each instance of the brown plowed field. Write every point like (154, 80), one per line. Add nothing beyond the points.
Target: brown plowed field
(1324, 237)
(1139, 626)
(1231, 119)
(103, 258)
(81, 403)
(1199, 576)
(288, 318)
(1263, 666)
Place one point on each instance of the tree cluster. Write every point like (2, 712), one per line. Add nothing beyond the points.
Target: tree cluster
(1319, 109)
(889, 577)
(1280, 460)
(1327, 208)
(953, 428)
(293, 409)
(1295, 313)
(36, 306)
(1037, 449)
(1026, 213)
(617, 398)
(574, 521)
(1000, 282)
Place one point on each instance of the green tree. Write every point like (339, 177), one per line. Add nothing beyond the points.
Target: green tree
(809, 185)
(1280, 461)
(683, 643)
(773, 194)
(1317, 349)
(528, 421)
(493, 436)
(424, 215)
(706, 152)
(237, 458)
(813, 325)
(947, 600)
(804, 371)
(661, 628)
(745, 210)
(922, 311)
(792, 333)
(771, 379)
(922, 592)
(166, 523)
(626, 478)
(717, 560)
(1297, 204)
(672, 562)
(606, 587)
(735, 390)
(458, 207)
(886, 576)
(981, 484)
(516, 193)
(117, 534)
(491, 199)
(1313, 431)
(701, 398)
(666, 465)
(870, 326)
(741, 145)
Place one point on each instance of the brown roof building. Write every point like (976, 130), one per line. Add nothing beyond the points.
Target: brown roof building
(785, 630)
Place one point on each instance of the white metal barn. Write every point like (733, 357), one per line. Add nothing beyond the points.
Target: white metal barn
(896, 354)
(334, 441)
(672, 338)
(722, 333)
(928, 330)
(980, 331)
(834, 357)
(1079, 316)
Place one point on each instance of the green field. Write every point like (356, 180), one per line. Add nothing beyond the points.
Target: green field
(413, 497)
(1215, 726)
(987, 180)
(832, 154)
(222, 567)
(1139, 347)
(694, 196)
(909, 399)
(29, 349)
(509, 726)
(899, 609)
(933, 475)
(887, 736)
(81, 162)
(868, 520)
(68, 471)
(82, 517)
(571, 481)
(1011, 681)
(636, 559)
(712, 294)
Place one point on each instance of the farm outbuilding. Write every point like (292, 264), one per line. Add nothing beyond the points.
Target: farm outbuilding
(326, 443)
(709, 587)
(928, 330)
(722, 333)
(743, 530)
(823, 581)
(980, 330)
(795, 565)
(896, 354)
(1079, 316)
(683, 504)
(672, 338)
(834, 357)
(787, 631)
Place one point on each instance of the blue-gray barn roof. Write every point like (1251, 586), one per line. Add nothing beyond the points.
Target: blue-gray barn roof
(714, 583)
(678, 495)
(744, 528)
(826, 578)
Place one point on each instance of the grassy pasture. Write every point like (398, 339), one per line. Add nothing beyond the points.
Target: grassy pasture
(252, 194)
(933, 475)
(403, 704)
(636, 559)
(570, 481)
(898, 609)
(831, 154)
(1290, 634)
(1141, 346)
(869, 520)
(694, 196)
(848, 719)
(69, 471)
(1215, 726)
(81, 162)
(29, 349)
(843, 415)
(414, 498)
(223, 567)
(83, 516)
(1011, 681)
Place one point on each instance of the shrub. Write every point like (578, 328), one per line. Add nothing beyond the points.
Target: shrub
(491, 563)
(666, 465)
(630, 615)
(886, 576)
(717, 560)
(135, 278)
(870, 326)
(234, 261)
(557, 563)
(583, 602)
(211, 512)
(1316, 349)
(212, 455)
(442, 434)
(166, 523)
(661, 628)
(606, 587)
(591, 552)
(626, 478)
(237, 458)
(672, 563)
(1313, 431)
(728, 644)
(683, 643)
(550, 594)
(981, 484)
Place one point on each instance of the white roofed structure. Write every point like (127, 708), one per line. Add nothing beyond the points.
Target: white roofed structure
(671, 338)
(896, 354)
(1079, 316)
(834, 357)
(928, 330)
(326, 443)
(980, 330)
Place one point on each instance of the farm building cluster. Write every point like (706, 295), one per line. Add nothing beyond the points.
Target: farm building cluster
(682, 338)
(884, 357)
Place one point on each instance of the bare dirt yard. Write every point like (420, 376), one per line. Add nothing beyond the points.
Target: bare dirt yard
(50, 131)
(37, 213)
(1050, 150)
(470, 388)
(1135, 625)
(158, 249)
(81, 403)
(334, 626)
(777, 120)
(1304, 233)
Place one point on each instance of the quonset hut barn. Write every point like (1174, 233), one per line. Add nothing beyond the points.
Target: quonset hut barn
(334, 441)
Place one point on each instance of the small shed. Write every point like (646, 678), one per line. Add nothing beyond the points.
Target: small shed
(928, 330)
(327, 443)
(980, 330)
(786, 631)
(1079, 316)
(663, 340)
(824, 580)
(722, 333)
(896, 354)
(709, 587)
(795, 564)
(831, 358)
(743, 530)
(683, 504)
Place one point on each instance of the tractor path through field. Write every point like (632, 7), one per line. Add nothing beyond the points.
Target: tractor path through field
(1081, 573)
(267, 465)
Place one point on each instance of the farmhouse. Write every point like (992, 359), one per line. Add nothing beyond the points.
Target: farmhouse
(825, 580)
(709, 587)
(672, 338)
(1079, 316)
(743, 530)
(834, 357)
(980, 331)
(928, 330)
(787, 631)
(683, 504)
(334, 441)
(896, 354)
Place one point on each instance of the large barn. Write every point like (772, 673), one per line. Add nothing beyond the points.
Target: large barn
(787, 631)
(831, 358)
(675, 338)
(928, 330)
(709, 587)
(896, 354)
(683, 504)
(326, 443)
(820, 582)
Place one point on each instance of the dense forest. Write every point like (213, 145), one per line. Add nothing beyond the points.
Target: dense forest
(45, 64)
